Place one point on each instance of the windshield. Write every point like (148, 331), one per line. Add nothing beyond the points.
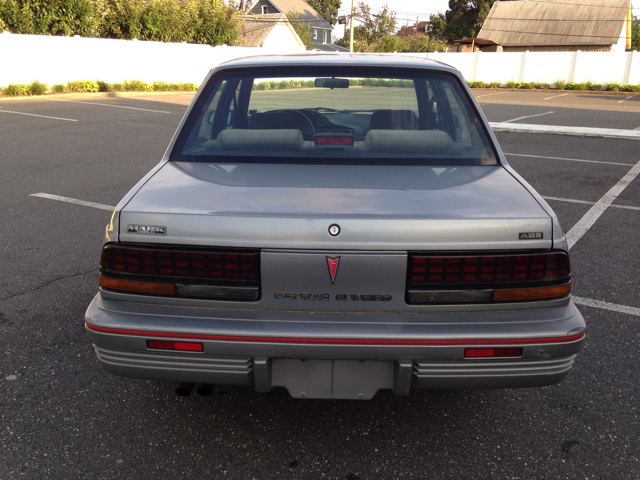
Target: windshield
(334, 115)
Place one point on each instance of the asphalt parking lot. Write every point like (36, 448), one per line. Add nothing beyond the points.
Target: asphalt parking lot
(62, 416)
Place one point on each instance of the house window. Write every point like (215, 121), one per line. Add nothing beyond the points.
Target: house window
(264, 10)
(315, 34)
(324, 36)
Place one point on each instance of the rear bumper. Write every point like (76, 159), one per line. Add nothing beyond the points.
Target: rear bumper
(397, 351)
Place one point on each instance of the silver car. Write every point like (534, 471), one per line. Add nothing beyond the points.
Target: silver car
(335, 225)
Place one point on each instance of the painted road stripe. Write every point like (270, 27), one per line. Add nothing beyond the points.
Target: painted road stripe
(614, 307)
(107, 105)
(489, 94)
(100, 206)
(40, 116)
(528, 116)
(555, 96)
(585, 202)
(586, 222)
(625, 99)
(560, 130)
(569, 159)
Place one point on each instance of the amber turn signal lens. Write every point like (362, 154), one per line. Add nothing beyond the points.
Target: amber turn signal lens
(137, 287)
(532, 293)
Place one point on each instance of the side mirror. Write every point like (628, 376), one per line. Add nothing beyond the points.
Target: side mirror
(332, 82)
(210, 117)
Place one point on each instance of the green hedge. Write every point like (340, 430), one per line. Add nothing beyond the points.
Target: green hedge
(87, 86)
(559, 85)
(195, 21)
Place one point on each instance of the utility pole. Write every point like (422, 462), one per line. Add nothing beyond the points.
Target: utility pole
(353, 16)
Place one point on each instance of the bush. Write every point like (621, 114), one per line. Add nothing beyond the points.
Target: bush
(524, 85)
(135, 85)
(495, 85)
(560, 84)
(103, 86)
(511, 84)
(16, 89)
(82, 86)
(58, 88)
(37, 88)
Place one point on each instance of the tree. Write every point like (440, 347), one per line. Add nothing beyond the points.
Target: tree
(303, 29)
(635, 34)
(464, 18)
(327, 8)
(372, 27)
(421, 43)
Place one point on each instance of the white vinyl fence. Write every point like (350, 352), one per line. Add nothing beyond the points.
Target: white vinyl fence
(24, 58)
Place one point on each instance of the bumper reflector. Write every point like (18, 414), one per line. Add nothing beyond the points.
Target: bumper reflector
(137, 287)
(450, 296)
(211, 291)
(168, 345)
(532, 293)
(492, 352)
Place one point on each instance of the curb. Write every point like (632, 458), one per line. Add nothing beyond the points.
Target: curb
(553, 90)
(97, 95)
(562, 130)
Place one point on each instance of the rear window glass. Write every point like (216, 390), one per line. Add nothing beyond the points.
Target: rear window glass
(334, 115)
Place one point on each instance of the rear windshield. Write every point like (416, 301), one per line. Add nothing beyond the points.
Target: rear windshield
(334, 115)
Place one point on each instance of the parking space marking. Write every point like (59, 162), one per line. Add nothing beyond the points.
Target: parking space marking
(569, 159)
(586, 222)
(489, 94)
(625, 99)
(585, 202)
(75, 201)
(107, 105)
(588, 302)
(528, 116)
(41, 116)
(555, 96)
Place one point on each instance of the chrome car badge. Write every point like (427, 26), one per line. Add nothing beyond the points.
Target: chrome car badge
(334, 230)
(146, 230)
(333, 268)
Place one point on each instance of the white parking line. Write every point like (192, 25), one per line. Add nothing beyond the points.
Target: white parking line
(41, 116)
(100, 206)
(569, 159)
(489, 94)
(107, 105)
(586, 202)
(588, 302)
(555, 96)
(527, 116)
(589, 218)
(625, 99)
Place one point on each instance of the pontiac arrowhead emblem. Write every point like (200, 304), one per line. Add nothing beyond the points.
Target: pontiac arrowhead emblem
(333, 268)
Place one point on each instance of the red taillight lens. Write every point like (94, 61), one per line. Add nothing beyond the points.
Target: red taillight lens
(185, 272)
(490, 277)
(215, 265)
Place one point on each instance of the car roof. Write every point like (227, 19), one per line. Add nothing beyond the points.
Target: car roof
(391, 60)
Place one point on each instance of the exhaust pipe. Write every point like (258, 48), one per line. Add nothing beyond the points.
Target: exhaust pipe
(204, 390)
(184, 389)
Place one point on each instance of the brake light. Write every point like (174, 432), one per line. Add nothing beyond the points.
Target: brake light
(487, 277)
(181, 271)
(333, 140)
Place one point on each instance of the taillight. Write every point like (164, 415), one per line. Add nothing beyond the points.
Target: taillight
(483, 278)
(184, 272)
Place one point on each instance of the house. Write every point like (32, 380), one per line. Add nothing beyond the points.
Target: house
(559, 25)
(321, 30)
(415, 30)
(271, 31)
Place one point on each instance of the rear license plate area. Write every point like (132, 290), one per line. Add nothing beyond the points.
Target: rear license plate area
(338, 379)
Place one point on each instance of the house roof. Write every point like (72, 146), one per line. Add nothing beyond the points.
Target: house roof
(305, 11)
(257, 27)
(555, 22)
